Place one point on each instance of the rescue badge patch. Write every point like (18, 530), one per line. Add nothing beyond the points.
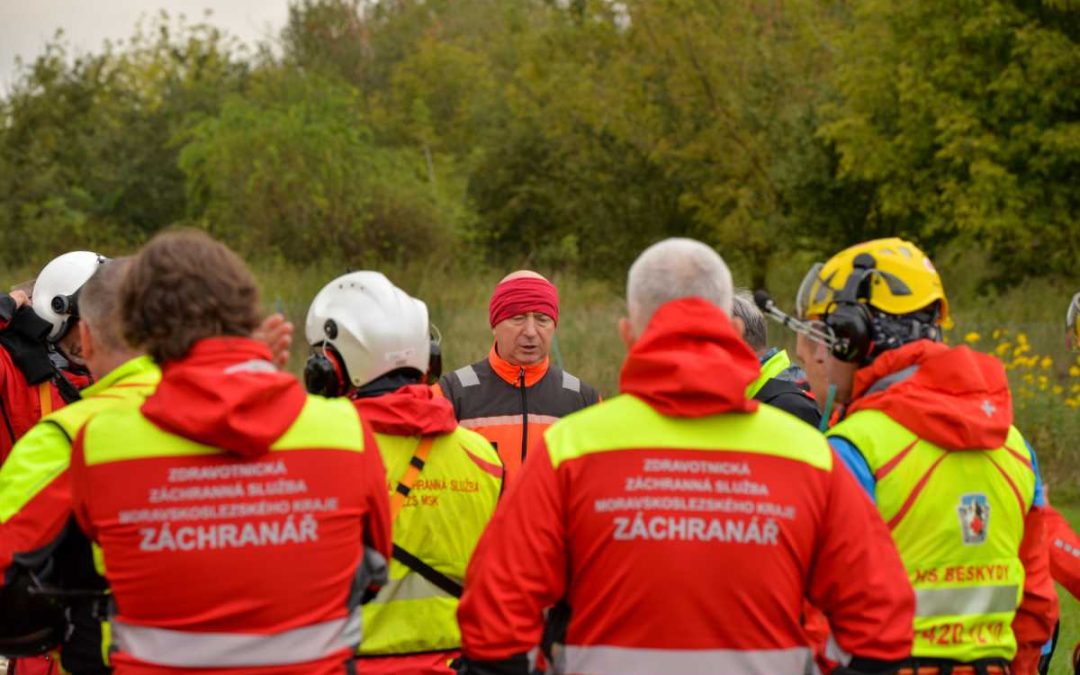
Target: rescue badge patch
(974, 511)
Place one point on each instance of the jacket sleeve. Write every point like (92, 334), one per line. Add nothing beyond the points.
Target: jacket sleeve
(7, 310)
(35, 494)
(377, 524)
(518, 571)
(871, 615)
(1034, 622)
(1064, 551)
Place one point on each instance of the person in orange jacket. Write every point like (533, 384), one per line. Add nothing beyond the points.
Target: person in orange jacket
(516, 393)
(678, 527)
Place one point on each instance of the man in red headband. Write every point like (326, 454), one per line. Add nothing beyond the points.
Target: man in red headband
(514, 394)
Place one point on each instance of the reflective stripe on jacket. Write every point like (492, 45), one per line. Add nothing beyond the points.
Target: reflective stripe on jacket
(442, 520)
(957, 518)
(491, 401)
(649, 508)
(223, 560)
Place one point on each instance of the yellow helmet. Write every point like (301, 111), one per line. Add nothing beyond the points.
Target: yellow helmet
(1072, 323)
(906, 281)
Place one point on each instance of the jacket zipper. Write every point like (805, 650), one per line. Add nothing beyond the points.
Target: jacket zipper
(524, 415)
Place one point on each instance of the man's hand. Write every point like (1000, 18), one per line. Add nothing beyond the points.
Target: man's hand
(277, 334)
(20, 298)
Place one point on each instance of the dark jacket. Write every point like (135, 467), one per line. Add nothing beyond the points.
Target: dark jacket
(493, 397)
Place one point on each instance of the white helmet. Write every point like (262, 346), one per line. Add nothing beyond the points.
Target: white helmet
(56, 289)
(375, 326)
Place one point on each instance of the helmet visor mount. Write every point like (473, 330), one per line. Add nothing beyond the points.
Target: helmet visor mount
(1072, 324)
(813, 291)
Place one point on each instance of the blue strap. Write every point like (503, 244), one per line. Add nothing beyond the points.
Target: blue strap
(856, 463)
(1039, 498)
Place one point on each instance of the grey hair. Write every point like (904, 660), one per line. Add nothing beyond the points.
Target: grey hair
(757, 331)
(99, 301)
(672, 269)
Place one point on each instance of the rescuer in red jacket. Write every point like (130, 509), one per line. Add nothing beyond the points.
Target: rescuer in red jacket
(41, 365)
(680, 525)
(240, 521)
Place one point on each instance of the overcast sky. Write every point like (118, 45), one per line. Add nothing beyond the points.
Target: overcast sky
(26, 25)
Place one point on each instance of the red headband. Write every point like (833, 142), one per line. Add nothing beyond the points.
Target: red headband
(523, 295)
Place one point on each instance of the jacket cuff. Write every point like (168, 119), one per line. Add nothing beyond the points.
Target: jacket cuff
(515, 665)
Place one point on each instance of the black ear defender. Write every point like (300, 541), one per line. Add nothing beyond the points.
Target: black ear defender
(850, 321)
(324, 372)
(66, 304)
(435, 363)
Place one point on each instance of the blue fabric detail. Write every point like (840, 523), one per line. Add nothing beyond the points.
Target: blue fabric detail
(1048, 647)
(763, 359)
(1039, 498)
(856, 463)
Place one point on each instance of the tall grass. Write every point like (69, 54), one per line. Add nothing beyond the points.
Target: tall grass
(589, 347)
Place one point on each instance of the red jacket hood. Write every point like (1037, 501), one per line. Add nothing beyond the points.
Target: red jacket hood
(226, 393)
(691, 362)
(413, 410)
(953, 397)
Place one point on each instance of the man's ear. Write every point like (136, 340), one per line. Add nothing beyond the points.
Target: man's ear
(740, 325)
(86, 337)
(626, 332)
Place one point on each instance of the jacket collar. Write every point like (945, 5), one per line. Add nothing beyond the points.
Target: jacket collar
(690, 362)
(773, 363)
(955, 397)
(511, 373)
(131, 368)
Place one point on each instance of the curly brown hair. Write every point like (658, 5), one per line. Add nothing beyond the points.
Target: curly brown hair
(184, 286)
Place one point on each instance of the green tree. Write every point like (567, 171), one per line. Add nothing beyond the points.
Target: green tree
(86, 152)
(963, 117)
(291, 167)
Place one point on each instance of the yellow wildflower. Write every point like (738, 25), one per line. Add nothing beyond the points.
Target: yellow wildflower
(1058, 389)
(1046, 363)
(972, 337)
(1074, 371)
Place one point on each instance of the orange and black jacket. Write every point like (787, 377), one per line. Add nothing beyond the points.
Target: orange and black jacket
(512, 405)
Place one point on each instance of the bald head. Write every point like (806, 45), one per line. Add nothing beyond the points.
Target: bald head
(522, 274)
(673, 269)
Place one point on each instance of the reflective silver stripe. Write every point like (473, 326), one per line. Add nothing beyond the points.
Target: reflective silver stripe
(834, 652)
(602, 660)
(467, 376)
(889, 380)
(183, 649)
(966, 600)
(570, 382)
(500, 420)
(410, 587)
